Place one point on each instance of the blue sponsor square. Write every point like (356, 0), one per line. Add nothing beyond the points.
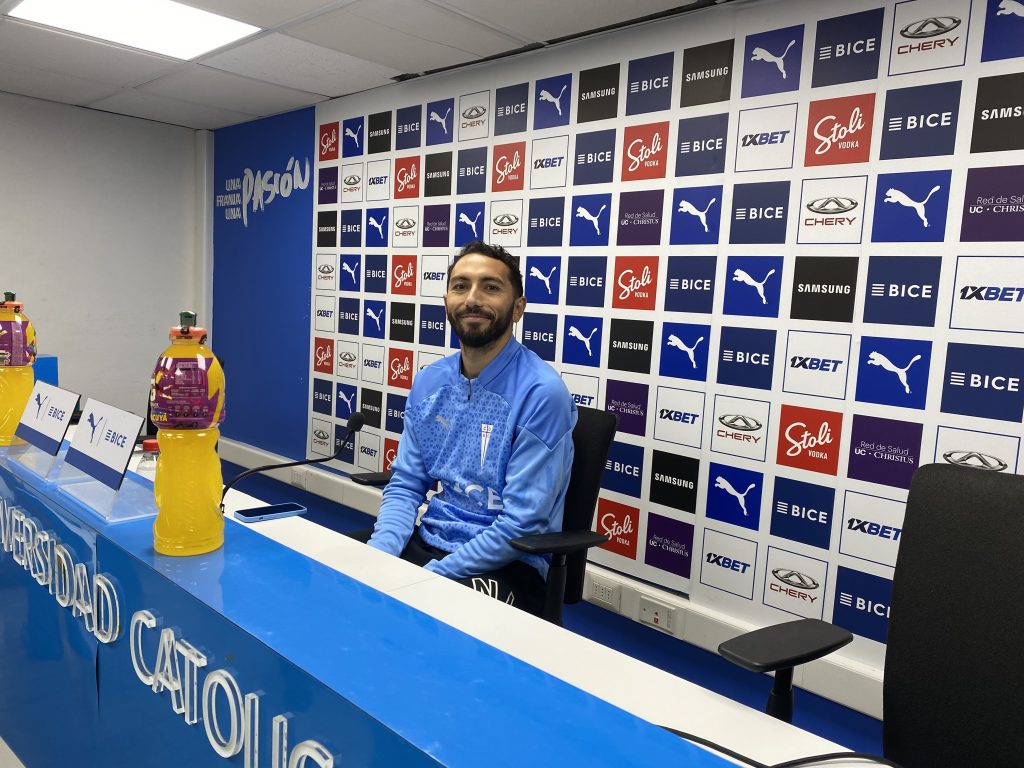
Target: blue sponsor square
(345, 401)
(375, 275)
(323, 396)
(440, 120)
(847, 48)
(690, 284)
(696, 215)
(591, 219)
(893, 371)
(920, 121)
(351, 228)
(348, 316)
(552, 101)
(624, 469)
(760, 212)
(395, 417)
(753, 285)
(862, 603)
(539, 334)
(985, 381)
(911, 207)
(510, 109)
(902, 290)
(345, 452)
(587, 280)
(547, 215)
(701, 145)
(684, 351)
(470, 223)
(408, 127)
(542, 277)
(734, 495)
(349, 265)
(771, 61)
(375, 318)
(432, 325)
(594, 157)
(746, 357)
(803, 512)
(649, 85)
(581, 340)
(1004, 30)
(472, 171)
(353, 137)
(377, 227)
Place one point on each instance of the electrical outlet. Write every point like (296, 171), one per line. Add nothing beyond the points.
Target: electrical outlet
(606, 593)
(655, 614)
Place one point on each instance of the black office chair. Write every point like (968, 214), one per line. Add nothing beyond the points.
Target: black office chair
(591, 439)
(953, 692)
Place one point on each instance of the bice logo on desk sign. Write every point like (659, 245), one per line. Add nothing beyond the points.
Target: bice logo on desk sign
(809, 439)
(47, 416)
(103, 442)
(400, 368)
(620, 522)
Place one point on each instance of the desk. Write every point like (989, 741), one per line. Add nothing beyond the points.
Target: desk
(378, 661)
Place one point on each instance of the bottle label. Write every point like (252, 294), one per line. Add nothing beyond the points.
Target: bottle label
(181, 394)
(17, 343)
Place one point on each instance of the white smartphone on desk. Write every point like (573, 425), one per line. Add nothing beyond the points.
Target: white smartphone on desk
(270, 512)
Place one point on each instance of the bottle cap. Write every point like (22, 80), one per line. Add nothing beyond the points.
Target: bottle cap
(10, 303)
(150, 446)
(187, 328)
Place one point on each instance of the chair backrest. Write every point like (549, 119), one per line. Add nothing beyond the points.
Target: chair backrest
(591, 440)
(953, 693)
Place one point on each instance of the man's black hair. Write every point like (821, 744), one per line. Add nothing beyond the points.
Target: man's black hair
(495, 252)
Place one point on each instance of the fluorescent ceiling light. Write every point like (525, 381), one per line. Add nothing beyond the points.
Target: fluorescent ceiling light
(159, 26)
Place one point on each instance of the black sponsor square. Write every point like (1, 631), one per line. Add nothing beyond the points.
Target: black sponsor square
(674, 481)
(629, 345)
(403, 322)
(599, 94)
(371, 404)
(824, 288)
(327, 229)
(999, 114)
(707, 74)
(379, 133)
(438, 175)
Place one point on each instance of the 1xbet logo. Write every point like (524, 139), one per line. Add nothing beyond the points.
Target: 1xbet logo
(983, 381)
(846, 48)
(764, 138)
(920, 121)
(902, 290)
(988, 294)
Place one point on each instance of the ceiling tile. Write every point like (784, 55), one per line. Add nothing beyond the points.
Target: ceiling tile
(374, 41)
(164, 110)
(52, 86)
(43, 48)
(297, 64)
(262, 13)
(222, 90)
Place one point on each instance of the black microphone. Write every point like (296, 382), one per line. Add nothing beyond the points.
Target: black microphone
(354, 424)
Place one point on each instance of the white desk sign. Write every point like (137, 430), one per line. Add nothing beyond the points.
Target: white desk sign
(103, 442)
(47, 417)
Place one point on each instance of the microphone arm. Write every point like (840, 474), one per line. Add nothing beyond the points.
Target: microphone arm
(354, 424)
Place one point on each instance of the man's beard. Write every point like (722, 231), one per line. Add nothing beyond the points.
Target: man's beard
(484, 334)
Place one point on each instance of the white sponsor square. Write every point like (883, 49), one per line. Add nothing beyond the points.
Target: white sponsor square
(832, 210)
(423, 359)
(320, 433)
(988, 294)
(986, 451)
(352, 183)
(585, 390)
(405, 230)
(506, 222)
(378, 180)
(372, 364)
(795, 583)
(347, 359)
(872, 527)
(728, 563)
(929, 34)
(680, 416)
(368, 452)
(325, 275)
(766, 138)
(740, 427)
(434, 280)
(325, 317)
(474, 116)
(549, 160)
(817, 364)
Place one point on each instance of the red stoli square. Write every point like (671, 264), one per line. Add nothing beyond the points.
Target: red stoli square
(323, 355)
(508, 167)
(400, 368)
(645, 151)
(636, 282)
(620, 522)
(328, 142)
(407, 177)
(809, 439)
(390, 453)
(403, 275)
(839, 130)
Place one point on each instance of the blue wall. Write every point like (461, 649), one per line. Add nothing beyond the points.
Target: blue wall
(261, 278)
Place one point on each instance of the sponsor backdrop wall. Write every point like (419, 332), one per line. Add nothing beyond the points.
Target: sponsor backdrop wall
(780, 240)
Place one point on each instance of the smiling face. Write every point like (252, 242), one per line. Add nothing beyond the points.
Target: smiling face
(481, 303)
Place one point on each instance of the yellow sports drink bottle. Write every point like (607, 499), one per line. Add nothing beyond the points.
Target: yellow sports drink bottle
(17, 354)
(186, 399)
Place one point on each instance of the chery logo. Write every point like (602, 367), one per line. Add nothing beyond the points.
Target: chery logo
(326, 269)
(975, 460)
(828, 206)
(472, 113)
(630, 283)
(828, 130)
(405, 223)
(506, 220)
(930, 27)
(352, 180)
(638, 152)
(793, 578)
(740, 422)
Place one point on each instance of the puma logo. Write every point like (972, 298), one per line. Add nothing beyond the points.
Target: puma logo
(351, 270)
(443, 121)
(575, 333)
(464, 219)
(378, 225)
(725, 485)
(1010, 8)
(348, 400)
(557, 101)
(738, 275)
(685, 206)
(877, 358)
(354, 136)
(376, 318)
(760, 54)
(893, 195)
(534, 272)
(675, 341)
(583, 213)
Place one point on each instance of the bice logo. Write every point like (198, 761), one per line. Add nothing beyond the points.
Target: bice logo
(620, 522)
(323, 355)
(746, 357)
(862, 603)
(510, 108)
(902, 290)
(690, 283)
(329, 141)
(809, 439)
(839, 130)
(846, 48)
(759, 212)
(701, 145)
(390, 452)
(920, 121)
(407, 177)
(403, 275)
(644, 151)
(984, 381)
(507, 174)
(650, 84)
(802, 512)
(400, 368)
(636, 282)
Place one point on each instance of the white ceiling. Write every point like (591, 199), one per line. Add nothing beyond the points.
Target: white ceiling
(307, 51)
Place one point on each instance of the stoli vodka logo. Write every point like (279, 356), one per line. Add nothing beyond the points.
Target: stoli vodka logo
(504, 166)
(405, 177)
(829, 131)
(630, 283)
(329, 142)
(809, 439)
(839, 130)
(800, 439)
(644, 151)
(261, 188)
(639, 153)
(636, 280)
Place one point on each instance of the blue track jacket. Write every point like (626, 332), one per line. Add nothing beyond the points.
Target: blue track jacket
(501, 445)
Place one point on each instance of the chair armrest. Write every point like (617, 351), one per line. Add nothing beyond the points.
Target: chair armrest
(784, 645)
(558, 543)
